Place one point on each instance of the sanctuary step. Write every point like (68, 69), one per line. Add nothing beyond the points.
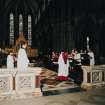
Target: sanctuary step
(61, 91)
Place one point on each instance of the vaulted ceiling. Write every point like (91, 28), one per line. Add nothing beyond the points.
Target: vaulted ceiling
(17, 5)
(21, 6)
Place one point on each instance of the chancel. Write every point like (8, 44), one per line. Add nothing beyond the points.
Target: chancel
(62, 44)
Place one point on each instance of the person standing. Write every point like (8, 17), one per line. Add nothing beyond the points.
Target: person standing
(91, 56)
(22, 59)
(77, 57)
(10, 61)
(86, 58)
(63, 66)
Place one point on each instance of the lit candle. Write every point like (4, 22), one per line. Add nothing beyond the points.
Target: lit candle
(87, 42)
(87, 38)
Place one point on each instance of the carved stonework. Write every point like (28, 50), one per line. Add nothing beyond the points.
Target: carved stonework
(25, 82)
(95, 77)
(5, 83)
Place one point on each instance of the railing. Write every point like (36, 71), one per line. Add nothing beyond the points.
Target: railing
(15, 81)
(93, 75)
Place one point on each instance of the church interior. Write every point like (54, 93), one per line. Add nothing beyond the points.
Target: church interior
(52, 29)
(63, 25)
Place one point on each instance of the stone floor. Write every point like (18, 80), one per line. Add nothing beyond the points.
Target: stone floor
(66, 96)
(91, 97)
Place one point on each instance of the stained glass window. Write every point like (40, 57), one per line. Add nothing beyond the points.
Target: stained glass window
(29, 30)
(11, 29)
(20, 23)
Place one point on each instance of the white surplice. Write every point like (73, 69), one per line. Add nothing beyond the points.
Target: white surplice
(92, 60)
(22, 60)
(10, 62)
(62, 67)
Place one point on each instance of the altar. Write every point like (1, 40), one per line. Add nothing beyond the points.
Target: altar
(31, 52)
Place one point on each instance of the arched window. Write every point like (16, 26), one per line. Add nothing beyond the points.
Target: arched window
(29, 30)
(20, 23)
(11, 39)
